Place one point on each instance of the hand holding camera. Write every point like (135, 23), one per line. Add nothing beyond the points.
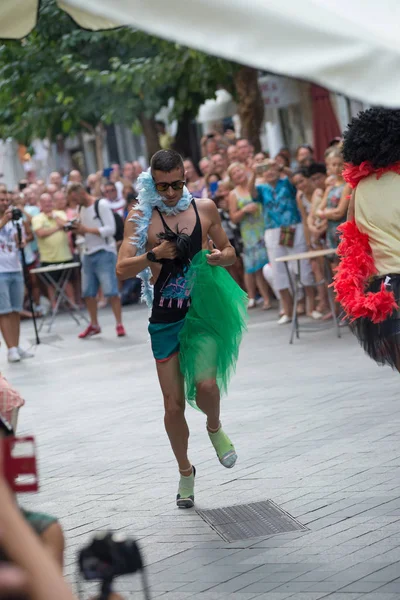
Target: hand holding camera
(16, 214)
(6, 218)
(70, 225)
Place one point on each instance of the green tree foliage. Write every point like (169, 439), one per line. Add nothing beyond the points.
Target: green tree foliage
(61, 79)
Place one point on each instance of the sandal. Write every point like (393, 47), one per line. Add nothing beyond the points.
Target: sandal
(185, 496)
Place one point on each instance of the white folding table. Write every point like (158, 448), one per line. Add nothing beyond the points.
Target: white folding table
(298, 285)
(45, 275)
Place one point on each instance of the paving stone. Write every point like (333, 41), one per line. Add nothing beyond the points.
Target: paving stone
(339, 596)
(363, 586)
(393, 587)
(380, 596)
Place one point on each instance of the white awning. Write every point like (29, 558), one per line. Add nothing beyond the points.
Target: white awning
(349, 46)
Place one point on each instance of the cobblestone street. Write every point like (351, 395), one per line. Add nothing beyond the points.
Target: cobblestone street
(317, 429)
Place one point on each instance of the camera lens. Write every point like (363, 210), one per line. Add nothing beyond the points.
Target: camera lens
(16, 214)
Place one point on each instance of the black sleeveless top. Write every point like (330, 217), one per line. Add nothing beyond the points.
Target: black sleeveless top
(171, 294)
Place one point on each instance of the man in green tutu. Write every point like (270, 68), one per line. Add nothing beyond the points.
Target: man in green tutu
(197, 318)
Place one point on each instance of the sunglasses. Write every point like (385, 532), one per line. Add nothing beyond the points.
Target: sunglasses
(175, 185)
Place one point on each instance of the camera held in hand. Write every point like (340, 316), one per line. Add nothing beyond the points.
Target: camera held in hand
(16, 214)
(70, 225)
(110, 555)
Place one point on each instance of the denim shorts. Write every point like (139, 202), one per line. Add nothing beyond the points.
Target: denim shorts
(98, 270)
(11, 292)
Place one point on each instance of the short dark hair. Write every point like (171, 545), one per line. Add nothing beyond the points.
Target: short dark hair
(315, 168)
(110, 184)
(131, 197)
(306, 146)
(74, 187)
(373, 136)
(166, 161)
(284, 157)
(302, 171)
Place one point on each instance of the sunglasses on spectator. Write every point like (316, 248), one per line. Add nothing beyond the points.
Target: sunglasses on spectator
(175, 185)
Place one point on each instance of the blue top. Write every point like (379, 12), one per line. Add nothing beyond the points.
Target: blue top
(279, 202)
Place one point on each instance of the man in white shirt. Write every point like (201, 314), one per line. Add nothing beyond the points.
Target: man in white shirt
(11, 282)
(97, 225)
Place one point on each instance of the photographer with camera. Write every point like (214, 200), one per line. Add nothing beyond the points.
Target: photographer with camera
(97, 225)
(11, 279)
(51, 228)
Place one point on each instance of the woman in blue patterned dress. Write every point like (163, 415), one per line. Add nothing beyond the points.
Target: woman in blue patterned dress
(245, 211)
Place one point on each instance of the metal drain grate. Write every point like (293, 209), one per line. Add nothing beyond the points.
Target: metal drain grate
(245, 521)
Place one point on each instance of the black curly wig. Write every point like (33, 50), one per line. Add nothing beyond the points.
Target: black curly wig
(374, 135)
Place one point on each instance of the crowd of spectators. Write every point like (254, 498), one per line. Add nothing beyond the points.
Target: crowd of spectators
(270, 207)
(64, 220)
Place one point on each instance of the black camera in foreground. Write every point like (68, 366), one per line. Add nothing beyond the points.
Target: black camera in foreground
(16, 214)
(110, 555)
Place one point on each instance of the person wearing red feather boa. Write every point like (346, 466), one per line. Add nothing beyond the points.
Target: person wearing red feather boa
(367, 281)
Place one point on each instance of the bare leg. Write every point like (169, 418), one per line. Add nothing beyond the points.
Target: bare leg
(236, 271)
(240, 273)
(35, 288)
(53, 539)
(208, 400)
(322, 294)
(171, 382)
(69, 291)
(338, 308)
(16, 320)
(9, 325)
(91, 305)
(250, 283)
(52, 295)
(101, 300)
(263, 288)
(287, 302)
(310, 299)
(116, 308)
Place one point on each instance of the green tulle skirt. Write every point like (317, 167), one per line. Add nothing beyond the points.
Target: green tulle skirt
(214, 326)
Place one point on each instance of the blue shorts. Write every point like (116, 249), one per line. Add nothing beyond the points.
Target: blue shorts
(165, 339)
(98, 270)
(11, 292)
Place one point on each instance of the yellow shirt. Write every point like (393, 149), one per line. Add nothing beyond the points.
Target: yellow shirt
(54, 248)
(377, 213)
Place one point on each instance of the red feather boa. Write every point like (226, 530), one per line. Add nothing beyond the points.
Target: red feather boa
(355, 269)
(354, 173)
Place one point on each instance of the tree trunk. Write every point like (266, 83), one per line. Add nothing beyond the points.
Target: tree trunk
(250, 105)
(150, 133)
(186, 139)
(99, 141)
